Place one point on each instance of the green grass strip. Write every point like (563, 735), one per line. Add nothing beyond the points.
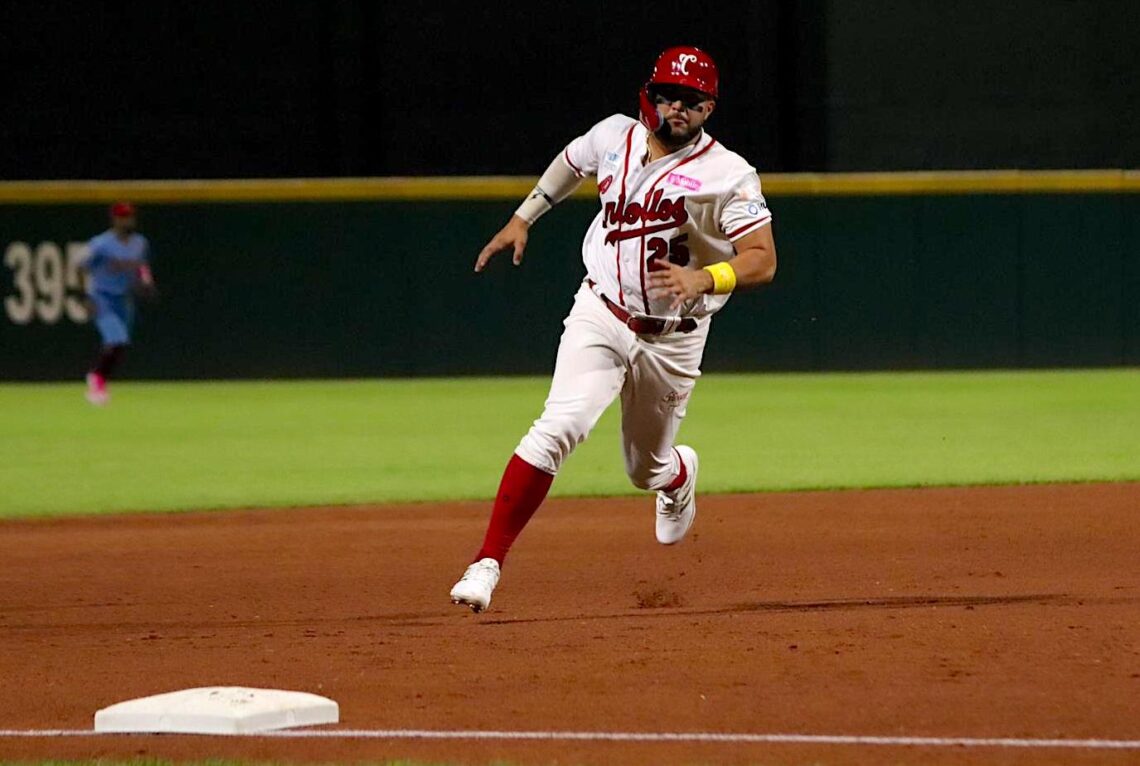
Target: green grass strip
(175, 446)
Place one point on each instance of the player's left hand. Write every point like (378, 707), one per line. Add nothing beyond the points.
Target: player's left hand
(683, 284)
(145, 291)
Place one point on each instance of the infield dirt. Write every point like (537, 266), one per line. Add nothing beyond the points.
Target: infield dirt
(986, 612)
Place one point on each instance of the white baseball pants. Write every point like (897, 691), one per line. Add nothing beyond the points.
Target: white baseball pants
(599, 358)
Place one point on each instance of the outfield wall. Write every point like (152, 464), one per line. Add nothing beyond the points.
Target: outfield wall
(372, 277)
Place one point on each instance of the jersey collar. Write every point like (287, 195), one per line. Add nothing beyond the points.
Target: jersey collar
(703, 140)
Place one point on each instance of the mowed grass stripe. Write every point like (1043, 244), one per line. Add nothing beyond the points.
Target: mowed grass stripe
(179, 446)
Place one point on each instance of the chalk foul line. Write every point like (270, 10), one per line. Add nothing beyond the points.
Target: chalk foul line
(659, 737)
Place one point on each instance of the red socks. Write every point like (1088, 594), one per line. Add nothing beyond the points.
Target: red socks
(683, 474)
(521, 491)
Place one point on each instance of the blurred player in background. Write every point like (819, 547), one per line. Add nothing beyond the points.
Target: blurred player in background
(117, 267)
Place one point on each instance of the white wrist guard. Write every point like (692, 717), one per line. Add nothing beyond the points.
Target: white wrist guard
(556, 184)
(535, 205)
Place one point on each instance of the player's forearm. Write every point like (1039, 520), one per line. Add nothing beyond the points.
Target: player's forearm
(556, 184)
(126, 266)
(749, 268)
(754, 267)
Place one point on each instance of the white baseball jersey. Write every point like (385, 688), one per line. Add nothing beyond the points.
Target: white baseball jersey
(687, 207)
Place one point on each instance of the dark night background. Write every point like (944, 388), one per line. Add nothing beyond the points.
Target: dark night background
(350, 87)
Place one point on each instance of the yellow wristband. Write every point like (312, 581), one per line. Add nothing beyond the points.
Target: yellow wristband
(724, 278)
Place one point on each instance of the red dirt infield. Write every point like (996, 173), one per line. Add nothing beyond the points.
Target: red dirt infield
(1008, 612)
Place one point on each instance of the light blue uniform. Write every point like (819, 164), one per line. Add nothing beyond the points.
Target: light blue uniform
(110, 289)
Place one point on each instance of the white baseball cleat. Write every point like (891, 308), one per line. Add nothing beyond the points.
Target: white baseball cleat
(96, 391)
(475, 587)
(677, 509)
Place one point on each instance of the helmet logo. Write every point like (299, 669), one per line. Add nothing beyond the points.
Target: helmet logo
(682, 63)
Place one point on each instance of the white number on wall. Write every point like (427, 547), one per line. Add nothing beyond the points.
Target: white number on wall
(49, 282)
(76, 282)
(19, 307)
(45, 284)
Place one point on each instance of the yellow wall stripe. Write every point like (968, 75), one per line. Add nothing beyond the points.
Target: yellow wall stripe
(954, 182)
(515, 187)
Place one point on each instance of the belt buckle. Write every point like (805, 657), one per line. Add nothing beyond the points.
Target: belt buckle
(643, 325)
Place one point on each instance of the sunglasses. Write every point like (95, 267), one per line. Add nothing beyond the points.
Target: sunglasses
(669, 94)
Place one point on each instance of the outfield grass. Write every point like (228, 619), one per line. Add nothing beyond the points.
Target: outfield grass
(171, 446)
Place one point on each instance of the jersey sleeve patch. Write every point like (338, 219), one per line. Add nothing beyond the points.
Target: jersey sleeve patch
(746, 209)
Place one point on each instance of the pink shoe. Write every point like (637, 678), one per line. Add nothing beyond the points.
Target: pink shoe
(97, 389)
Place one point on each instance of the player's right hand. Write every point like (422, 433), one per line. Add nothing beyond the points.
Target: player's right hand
(513, 237)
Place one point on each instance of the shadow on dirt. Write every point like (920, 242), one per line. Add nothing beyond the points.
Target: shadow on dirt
(830, 605)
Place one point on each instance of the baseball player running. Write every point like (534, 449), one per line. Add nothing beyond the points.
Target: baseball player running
(682, 225)
(117, 264)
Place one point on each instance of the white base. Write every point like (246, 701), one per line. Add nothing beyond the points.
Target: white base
(217, 710)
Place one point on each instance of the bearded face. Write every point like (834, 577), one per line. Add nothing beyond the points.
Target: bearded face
(683, 112)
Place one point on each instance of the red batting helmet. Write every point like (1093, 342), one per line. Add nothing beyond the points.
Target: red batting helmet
(688, 66)
(122, 210)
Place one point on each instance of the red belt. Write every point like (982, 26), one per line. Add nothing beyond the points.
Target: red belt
(646, 325)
